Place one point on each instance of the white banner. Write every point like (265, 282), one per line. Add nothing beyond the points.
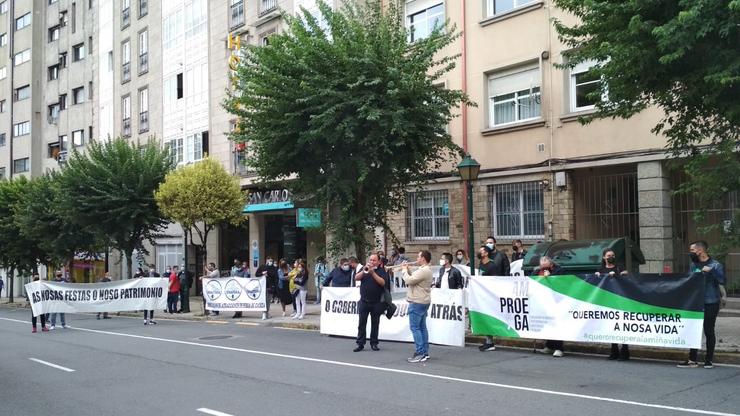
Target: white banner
(235, 294)
(445, 318)
(117, 296)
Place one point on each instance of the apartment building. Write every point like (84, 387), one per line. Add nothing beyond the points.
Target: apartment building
(544, 176)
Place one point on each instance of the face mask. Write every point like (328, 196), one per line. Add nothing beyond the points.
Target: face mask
(694, 257)
(345, 268)
(269, 262)
(442, 262)
(610, 260)
(490, 245)
(460, 257)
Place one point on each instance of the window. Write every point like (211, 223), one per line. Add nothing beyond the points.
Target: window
(78, 52)
(3, 39)
(3, 7)
(3, 72)
(52, 2)
(22, 129)
(63, 142)
(53, 114)
(2, 106)
(514, 96)
(63, 102)
(22, 57)
(78, 138)
(74, 17)
(195, 17)
(90, 90)
(125, 61)
(63, 18)
(78, 95)
(22, 93)
(172, 29)
(517, 210)
(54, 33)
(63, 60)
(53, 150)
(20, 165)
(143, 52)
(2, 173)
(143, 8)
(496, 7)
(175, 147)
(126, 115)
(53, 72)
(143, 110)
(23, 21)
(194, 147)
(428, 215)
(237, 13)
(125, 13)
(421, 23)
(583, 84)
(179, 86)
(2, 139)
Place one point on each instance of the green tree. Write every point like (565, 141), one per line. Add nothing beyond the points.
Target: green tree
(110, 191)
(348, 110)
(683, 57)
(201, 197)
(17, 252)
(40, 216)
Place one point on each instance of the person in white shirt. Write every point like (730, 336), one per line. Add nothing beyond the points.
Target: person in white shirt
(448, 277)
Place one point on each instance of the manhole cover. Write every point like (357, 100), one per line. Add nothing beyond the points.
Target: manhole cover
(215, 337)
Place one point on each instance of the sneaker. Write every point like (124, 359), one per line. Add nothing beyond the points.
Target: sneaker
(557, 353)
(152, 322)
(301, 317)
(146, 322)
(358, 348)
(64, 326)
(688, 364)
(417, 358)
(487, 347)
(264, 316)
(425, 357)
(44, 329)
(33, 330)
(52, 327)
(708, 365)
(546, 351)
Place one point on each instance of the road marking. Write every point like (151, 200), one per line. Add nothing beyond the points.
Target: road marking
(212, 412)
(289, 328)
(58, 367)
(248, 323)
(216, 322)
(406, 372)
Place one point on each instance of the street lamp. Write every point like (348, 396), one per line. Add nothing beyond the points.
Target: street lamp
(469, 169)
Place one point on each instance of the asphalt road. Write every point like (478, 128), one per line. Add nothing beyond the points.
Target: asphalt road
(121, 367)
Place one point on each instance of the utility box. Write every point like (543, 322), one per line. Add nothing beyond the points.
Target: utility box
(584, 256)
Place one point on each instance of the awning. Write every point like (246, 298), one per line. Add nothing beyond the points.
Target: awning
(270, 206)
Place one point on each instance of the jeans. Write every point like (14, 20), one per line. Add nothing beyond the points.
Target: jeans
(172, 299)
(418, 324)
(300, 301)
(711, 310)
(375, 310)
(54, 319)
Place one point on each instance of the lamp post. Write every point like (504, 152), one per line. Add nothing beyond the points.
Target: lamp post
(469, 169)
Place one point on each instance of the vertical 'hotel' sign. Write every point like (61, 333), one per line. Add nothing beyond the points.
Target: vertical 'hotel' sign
(233, 43)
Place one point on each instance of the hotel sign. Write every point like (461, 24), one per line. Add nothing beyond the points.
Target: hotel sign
(270, 200)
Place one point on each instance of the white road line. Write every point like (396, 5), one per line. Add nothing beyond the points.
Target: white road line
(58, 367)
(212, 412)
(408, 372)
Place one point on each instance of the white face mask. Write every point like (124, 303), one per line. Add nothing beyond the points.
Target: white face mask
(345, 268)
(442, 262)
(460, 258)
(490, 245)
(269, 262)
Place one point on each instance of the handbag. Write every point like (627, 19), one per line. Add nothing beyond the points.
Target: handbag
(390, 307)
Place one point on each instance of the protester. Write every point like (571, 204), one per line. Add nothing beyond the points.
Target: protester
(210, 272)
(384, 261)
(401, 258)
(62, 316)
(394, 255)
(104, 279)
(448, 277)
(34, 318)
(610, 268)
(174, 291)
(237, 270)
(419, 298)
(461, 258)
(356, 267)
(184, 277)
(499, 259)
(550, 268)
(518, 251)
(301, 288)
(319, 275)
(341, 276)
(270, 272)
(715, 297)
(149, 315)
(2, 284)
(139, 273)
(153, 271)
(373, 280)
(284, 285)
(487, 268)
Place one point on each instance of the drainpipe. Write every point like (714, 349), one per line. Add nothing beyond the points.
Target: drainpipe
(11, 44)
(551, 129)
(464, 117)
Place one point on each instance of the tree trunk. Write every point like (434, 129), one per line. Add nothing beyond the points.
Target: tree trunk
(128, 264)
(11, 286)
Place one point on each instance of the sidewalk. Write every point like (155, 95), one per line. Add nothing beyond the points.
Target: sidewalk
(727, 350)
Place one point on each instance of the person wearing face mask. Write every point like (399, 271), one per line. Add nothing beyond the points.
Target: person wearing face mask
(610, 268)
(448, 277)
(487, 268)
(341, 276)
(499, 259)
(715, 298)
(270, 273)
(301, 282)
(550, 268)
(518, 251)
(461, 258)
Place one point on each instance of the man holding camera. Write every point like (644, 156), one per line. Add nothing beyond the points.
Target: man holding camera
(373, 279)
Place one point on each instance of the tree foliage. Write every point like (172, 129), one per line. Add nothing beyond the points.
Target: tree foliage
(110, 191)
(200, 197)
(683, 57)
(348, 110)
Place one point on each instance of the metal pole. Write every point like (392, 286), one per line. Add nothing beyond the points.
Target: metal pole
(471, 239)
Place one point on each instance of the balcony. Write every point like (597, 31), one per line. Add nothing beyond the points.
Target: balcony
(126, 130)
(237, 14)
(143, 63)
(126, 72)
(266, 6)
(125, 17)
(143, 121)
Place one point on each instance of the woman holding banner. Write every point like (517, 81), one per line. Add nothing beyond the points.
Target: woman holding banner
(610, 268)
(43, 316)
(550, 268)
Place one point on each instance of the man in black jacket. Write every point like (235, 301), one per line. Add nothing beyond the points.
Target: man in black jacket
(499, 259)
(270, 272)
(341, 276)
(448, 277)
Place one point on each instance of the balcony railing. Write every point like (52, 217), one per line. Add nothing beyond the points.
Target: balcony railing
(266, 6)
(125, 17)
(143, 63)
(126, 131)
(126, 72)
(143, 121)
(237, 14)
